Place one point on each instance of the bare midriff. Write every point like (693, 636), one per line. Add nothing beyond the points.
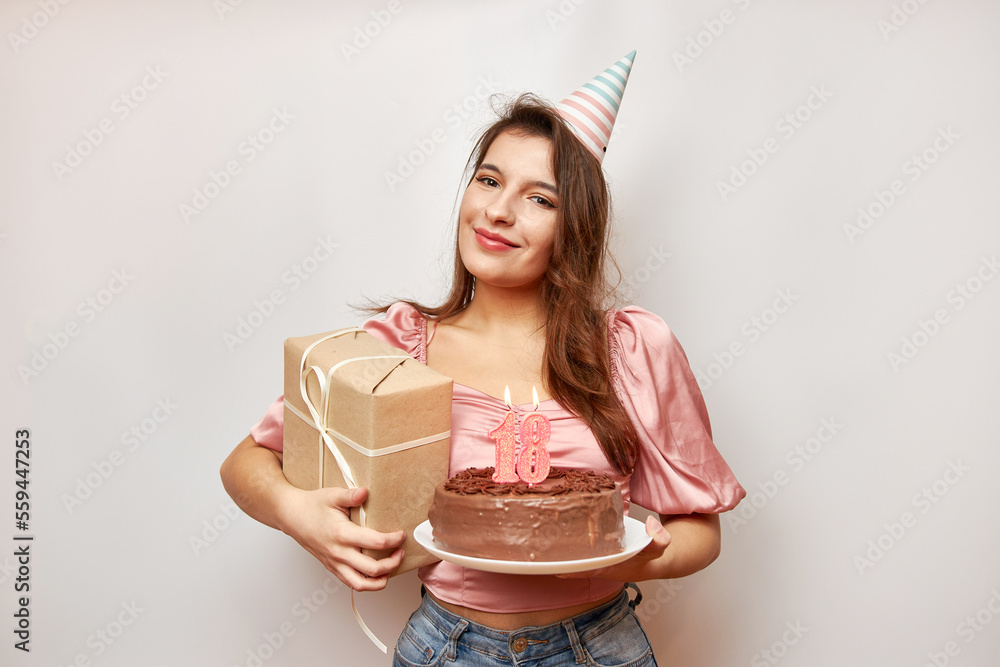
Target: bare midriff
(517, 620)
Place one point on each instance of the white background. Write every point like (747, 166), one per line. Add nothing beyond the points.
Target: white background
(136, 539)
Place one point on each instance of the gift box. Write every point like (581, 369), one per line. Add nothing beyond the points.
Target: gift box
(359, 412)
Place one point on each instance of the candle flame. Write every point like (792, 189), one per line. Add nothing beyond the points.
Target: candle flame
(534, 396)
(506, 396)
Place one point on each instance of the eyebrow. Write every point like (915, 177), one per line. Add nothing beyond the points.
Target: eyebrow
(541, 184)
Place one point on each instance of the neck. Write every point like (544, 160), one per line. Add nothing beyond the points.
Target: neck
(506, 308)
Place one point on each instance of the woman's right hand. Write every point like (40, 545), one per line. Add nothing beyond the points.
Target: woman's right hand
(320, 521)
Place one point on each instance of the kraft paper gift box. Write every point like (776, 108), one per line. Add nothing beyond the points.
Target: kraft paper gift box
(388, 416)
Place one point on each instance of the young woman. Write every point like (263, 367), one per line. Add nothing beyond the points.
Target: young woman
(527, 308)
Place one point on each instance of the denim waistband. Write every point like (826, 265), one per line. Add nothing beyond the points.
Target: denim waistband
(534, 642)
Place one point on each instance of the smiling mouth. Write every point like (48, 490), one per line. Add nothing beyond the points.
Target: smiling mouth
(492, 241)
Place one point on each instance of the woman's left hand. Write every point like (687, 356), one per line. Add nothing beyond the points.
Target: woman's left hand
(682, 545)
(638, 567)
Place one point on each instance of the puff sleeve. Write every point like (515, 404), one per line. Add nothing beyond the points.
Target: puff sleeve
(402, 327)
(679, 470)
(269, 431)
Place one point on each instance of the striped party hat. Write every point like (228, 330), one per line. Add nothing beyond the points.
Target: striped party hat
(592, 108)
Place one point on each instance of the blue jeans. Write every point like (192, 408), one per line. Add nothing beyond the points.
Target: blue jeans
(606, 636)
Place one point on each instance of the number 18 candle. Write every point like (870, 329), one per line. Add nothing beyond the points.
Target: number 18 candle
(533, 462)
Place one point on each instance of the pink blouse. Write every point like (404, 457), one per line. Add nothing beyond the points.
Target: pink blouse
(679, 470)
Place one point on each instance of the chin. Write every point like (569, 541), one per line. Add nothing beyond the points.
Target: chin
(498, 272)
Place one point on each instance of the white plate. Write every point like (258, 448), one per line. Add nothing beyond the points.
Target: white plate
(635, 539)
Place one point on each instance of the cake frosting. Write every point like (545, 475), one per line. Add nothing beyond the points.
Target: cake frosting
(572, 514)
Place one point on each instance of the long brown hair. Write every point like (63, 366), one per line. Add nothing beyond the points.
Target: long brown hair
(576, 365)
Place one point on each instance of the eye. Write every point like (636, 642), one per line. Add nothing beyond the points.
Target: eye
(488, 181)
(542, 201)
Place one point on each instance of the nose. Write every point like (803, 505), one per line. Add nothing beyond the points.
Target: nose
(500, 210)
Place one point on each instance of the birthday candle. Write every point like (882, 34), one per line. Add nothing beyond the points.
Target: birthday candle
(534, 461)
(504, 471)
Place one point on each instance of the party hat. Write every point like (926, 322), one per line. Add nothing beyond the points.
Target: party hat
(592, 108)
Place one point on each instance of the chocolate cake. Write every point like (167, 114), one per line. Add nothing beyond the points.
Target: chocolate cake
(573, 514)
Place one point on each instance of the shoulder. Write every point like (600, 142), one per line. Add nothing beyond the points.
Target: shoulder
(643, 349)
(633, 329)
(403, 327)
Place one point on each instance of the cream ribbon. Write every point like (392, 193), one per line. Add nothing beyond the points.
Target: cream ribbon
(361, 449)
(317, 419)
